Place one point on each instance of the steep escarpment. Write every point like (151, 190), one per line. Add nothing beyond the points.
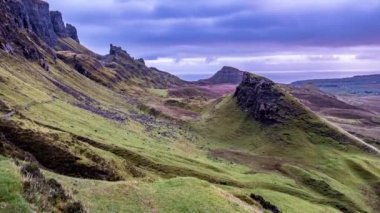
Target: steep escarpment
(62, 31)
(16, 35)
(34, 16)
(72, 32)
(265, 101)
(29, 29)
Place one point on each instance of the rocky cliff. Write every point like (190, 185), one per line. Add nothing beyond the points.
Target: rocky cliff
(72, 32)
(35, 16)
(227, 75)
(265, 101)
(58, 24)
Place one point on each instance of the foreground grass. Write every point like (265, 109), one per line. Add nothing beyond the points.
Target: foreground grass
(11, 200)
(173, 195)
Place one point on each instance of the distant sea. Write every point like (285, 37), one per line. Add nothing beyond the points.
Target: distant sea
(289, 77)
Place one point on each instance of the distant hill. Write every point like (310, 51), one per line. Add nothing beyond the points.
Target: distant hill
(227, 75)
(357, 85)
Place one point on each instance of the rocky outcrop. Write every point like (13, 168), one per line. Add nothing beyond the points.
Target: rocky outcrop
(14, 20)
(265, 101)
(60, 29)
(58, 24)
(131, 69)
(72, 32)
(34, 16)
(118, 52)
(227, 75)
(38, 14)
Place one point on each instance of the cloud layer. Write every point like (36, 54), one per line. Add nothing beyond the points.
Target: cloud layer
(215, 29)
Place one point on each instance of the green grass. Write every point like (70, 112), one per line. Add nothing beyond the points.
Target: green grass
(294, 204)
(174, 195)
(181, 175)
(159, 92)
(11, 200)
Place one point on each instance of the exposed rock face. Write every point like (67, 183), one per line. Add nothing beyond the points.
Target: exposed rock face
(34, 16)
(40, 23)
(264, 100)
(72, 32)
(18, 10)
(14, 20)
(58, 25)
(60, 29)
(227, 75)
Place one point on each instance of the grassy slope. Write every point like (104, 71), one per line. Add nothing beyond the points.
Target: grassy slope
(303, 156)
(346, 170)
(26, 84)
(11, 199)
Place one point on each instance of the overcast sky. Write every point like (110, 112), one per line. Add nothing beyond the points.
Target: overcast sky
(200, 36)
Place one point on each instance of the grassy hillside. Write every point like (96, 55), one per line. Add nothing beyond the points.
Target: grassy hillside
(323, 170)
(93, 133)
(227, 154)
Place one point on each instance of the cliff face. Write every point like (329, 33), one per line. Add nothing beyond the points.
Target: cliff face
(72, 32)
(58, 25)
(60, 29)
(265, 101)
(227, 75)
(34, 16)
(40, 22)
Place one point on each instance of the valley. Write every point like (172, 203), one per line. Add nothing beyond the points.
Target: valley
(82, 132)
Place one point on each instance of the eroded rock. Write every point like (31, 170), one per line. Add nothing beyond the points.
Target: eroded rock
(264, 100)
(72, 32)
(58, 24)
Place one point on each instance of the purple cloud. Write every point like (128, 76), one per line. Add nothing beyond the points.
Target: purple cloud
(213, 29)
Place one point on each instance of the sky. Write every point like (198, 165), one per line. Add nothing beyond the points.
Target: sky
(323, 38)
